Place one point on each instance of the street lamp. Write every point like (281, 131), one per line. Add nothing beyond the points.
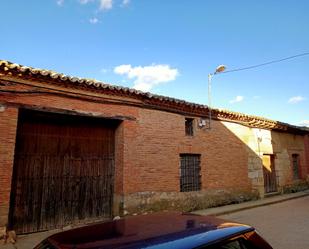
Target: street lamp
(219, 69)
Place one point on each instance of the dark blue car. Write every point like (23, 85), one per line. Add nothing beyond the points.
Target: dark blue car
(160, 231)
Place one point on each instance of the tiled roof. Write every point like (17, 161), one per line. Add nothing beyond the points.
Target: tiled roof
(160, 102)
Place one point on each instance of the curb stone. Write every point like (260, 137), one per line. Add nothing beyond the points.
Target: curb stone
(251, 204)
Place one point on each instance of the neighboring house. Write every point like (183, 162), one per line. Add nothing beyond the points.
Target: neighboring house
(76, 150)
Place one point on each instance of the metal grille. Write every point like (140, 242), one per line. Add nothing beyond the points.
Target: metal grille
(189, 126)
(190, 169)
(295, 158)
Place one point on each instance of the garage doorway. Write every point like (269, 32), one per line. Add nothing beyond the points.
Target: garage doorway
(63, 171)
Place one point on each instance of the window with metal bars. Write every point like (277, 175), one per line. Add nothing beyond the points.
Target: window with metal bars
(190, 172)
(189, 126)
(295, 161)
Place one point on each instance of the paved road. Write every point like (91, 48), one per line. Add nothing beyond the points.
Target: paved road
(284, 225)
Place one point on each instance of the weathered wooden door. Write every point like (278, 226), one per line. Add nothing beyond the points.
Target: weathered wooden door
(63, 171)
(270, 179)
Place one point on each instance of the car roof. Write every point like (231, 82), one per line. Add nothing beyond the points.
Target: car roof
(158, 230)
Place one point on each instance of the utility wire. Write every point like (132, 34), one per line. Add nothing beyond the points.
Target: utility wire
(264, 64)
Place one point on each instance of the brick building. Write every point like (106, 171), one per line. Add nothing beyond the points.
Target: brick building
(75, 150)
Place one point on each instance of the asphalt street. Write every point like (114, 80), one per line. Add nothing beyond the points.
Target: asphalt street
(284, 225)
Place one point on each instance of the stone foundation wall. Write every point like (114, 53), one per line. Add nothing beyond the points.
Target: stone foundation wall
(144, 202)
(296, 186)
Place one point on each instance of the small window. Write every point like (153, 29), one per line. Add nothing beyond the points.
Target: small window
(190, 169)
(295, 161)
(189, 126)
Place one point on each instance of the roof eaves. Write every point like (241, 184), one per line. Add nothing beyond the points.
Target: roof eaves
(249, 120)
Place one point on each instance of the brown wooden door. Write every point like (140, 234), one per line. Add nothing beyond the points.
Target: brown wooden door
(269, 172)
(63, 171)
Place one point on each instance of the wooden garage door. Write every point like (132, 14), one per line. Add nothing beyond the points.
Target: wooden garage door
(63, 171)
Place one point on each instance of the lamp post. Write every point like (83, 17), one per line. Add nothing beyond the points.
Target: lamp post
(219, 69)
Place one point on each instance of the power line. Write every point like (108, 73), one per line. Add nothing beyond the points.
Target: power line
(266, 63)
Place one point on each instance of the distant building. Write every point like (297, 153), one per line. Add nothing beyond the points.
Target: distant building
(76, 150)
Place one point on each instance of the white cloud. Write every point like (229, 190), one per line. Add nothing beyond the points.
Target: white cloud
(304, 123)
(125, 3)
(85, 1)
(106, 4)
(94, 20)
(296, 99)
(237, 99)
(60, 2)
(104, 70)
(147, 77)
(122, 69)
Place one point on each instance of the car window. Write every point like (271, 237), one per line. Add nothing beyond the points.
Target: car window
(234, 244)
(231, 245)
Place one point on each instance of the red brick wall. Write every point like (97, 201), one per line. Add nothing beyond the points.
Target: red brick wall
(152, 161)
(307, 156)
(8, 124)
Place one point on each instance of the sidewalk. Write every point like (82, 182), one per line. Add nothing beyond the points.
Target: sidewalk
(29, 241)
(216, 211)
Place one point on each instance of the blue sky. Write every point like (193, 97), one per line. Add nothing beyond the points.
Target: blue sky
(169, 47)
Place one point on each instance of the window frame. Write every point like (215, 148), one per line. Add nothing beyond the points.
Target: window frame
(189, 127)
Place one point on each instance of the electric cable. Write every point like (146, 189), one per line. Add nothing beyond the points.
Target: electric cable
(265, 63)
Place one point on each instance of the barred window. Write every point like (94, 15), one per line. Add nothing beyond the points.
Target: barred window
(190, 172)
(295, 161)
(189, 126)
